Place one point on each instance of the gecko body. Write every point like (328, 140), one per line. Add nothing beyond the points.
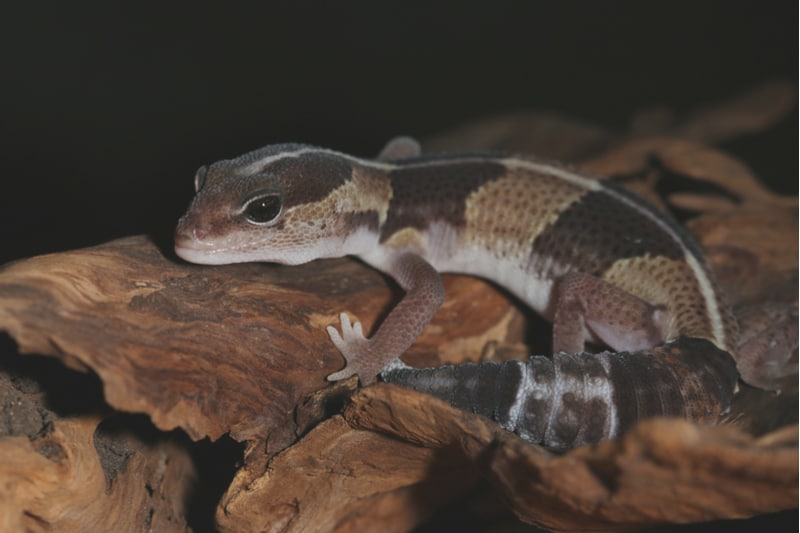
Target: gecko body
(592, 258)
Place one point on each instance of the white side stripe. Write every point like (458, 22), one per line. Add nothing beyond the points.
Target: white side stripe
(711, 301)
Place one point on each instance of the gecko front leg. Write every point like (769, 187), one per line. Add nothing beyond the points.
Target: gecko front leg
(424, 295)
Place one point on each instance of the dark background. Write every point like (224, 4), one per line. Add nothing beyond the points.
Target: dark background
(109, 108)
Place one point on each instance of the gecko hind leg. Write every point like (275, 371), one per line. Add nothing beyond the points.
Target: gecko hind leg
(588, 307)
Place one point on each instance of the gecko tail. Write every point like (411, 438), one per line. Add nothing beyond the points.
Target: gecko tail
(570, 400)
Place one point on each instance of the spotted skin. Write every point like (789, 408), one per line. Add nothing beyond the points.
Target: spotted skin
(601, 263)
(430, 194)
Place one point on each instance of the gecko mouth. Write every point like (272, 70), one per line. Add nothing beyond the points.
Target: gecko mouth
(201, 255)
(193, 245)
(194, 253)
(196, 247)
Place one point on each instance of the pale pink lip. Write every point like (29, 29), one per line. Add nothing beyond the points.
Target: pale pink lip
(190, 244)
(194, 253)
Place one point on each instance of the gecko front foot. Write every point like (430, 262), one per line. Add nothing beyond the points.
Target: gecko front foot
(356, 350)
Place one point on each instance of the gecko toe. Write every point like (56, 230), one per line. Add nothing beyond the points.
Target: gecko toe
(336, 338)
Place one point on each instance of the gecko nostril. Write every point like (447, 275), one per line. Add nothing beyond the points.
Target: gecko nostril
(199, 233)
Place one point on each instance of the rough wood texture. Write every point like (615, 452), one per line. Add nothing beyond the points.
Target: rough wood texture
(84, 473)
(210, 350)
(662, 471)
(348, 480)
(242, 350)
(59, 479)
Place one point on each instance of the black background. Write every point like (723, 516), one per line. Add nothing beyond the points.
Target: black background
(108, 108)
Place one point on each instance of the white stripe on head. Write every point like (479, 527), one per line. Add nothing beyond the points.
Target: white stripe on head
(258, 165)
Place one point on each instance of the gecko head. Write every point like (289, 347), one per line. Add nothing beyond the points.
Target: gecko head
(284, 203)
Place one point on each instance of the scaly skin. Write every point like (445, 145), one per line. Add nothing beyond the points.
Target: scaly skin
(601, 263)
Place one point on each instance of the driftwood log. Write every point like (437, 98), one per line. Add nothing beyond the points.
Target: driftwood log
(242, 350)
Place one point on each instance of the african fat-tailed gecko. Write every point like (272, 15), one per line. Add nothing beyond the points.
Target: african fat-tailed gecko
(596, 260)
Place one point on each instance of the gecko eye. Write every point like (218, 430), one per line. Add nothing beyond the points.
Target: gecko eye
(263, 209)
(200, 178)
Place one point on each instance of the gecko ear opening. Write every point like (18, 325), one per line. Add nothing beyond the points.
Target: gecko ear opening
(263, 209)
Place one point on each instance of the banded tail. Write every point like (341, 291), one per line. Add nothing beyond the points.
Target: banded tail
(571, 400)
